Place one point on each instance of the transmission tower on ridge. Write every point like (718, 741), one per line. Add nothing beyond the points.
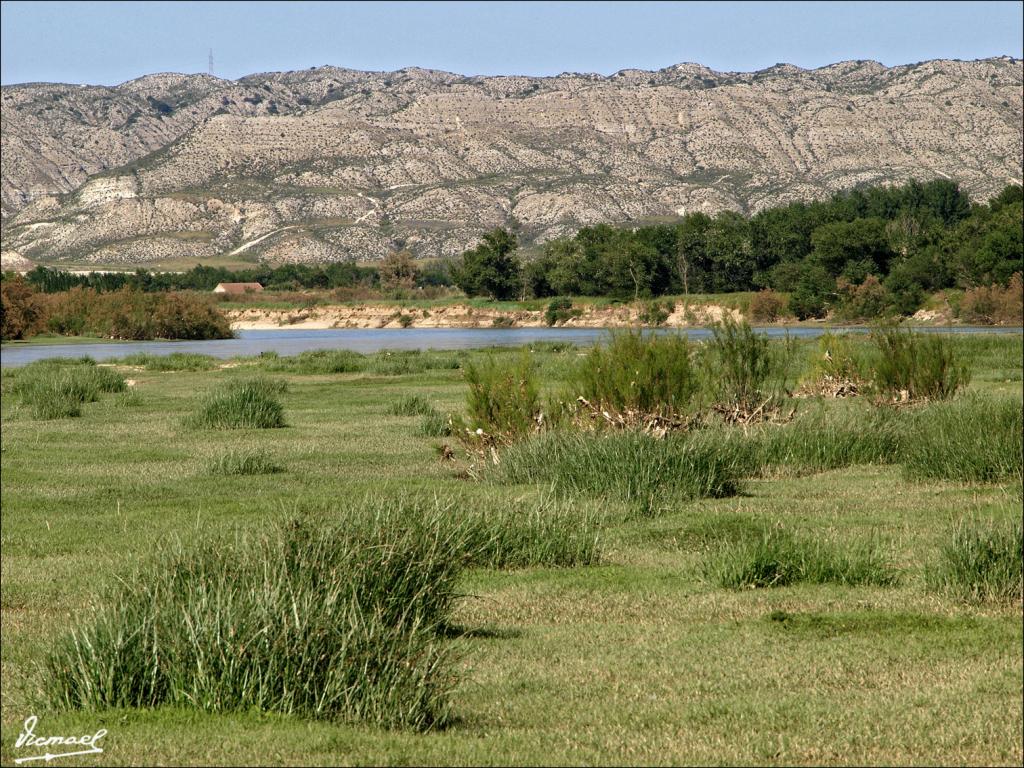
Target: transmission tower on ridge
(211, 63)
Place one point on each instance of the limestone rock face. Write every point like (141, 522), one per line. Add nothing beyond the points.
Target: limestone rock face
(331, 164)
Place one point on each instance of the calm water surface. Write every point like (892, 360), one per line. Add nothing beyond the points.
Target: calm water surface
(292, 342)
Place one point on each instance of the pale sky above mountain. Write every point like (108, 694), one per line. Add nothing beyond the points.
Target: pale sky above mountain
(111, 42)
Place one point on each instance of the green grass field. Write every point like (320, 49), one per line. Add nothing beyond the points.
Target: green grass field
(641, 658)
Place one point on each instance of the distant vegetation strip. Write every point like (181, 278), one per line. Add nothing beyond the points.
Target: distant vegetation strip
(866, 253)
(126, 313)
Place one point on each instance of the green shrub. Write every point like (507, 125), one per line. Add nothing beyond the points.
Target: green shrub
(251, 461)
(638, 372)
(639, 470)
(560, 310)
(923, 366)
(982, 561)
(503, 398)
(972, 439)
(243, 404)
(655, 313)
(779, 558)
(746, 370)
(336, 622)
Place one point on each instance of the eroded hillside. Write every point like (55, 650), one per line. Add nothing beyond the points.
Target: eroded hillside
(331, 164)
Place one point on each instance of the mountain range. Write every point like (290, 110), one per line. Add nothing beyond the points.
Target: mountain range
(332, 164)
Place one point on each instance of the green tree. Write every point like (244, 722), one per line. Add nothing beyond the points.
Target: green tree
(814, 290)
(492, 268)
(842, 242)
(398, 271)
(730, 267)
(691, 250)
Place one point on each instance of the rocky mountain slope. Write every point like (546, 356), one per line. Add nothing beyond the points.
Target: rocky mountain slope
(333, 164)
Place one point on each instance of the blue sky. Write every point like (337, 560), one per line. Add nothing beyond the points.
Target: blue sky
(110, 42)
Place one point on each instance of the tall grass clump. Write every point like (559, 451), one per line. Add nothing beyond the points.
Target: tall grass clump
(176, 361)
(59, 389)
(410, 405)
(509, 534)
(982, 561)
(995, 357)
(434, 424)
(638, 373)
(747, 373)
(339, 622)
(976, 439)
(632, 467)
(546, 533)
(915, 366)
(244, 461)
(779, 558)
(503, 398)
(241, 404)
(827, 438)
(401, 362)
(314, 362)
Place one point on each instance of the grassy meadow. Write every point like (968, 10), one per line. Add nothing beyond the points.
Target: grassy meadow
(839, 587)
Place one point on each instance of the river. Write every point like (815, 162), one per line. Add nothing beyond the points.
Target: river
(292, 342)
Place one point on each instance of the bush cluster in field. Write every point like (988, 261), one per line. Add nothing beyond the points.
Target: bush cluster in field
(973, 439)
(58, 388)
(340, 620)
(241, 404)
(126, 313)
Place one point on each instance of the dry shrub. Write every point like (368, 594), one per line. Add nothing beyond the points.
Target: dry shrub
(132, 314)
(22, 310)
(767, 306)
(866, 301)
(838, 369)
(994, 304)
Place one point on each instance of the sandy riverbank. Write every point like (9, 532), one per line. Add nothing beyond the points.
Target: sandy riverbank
(459, 316)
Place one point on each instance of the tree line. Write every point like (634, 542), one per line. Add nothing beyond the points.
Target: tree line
(876, 249)
(897, 243)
